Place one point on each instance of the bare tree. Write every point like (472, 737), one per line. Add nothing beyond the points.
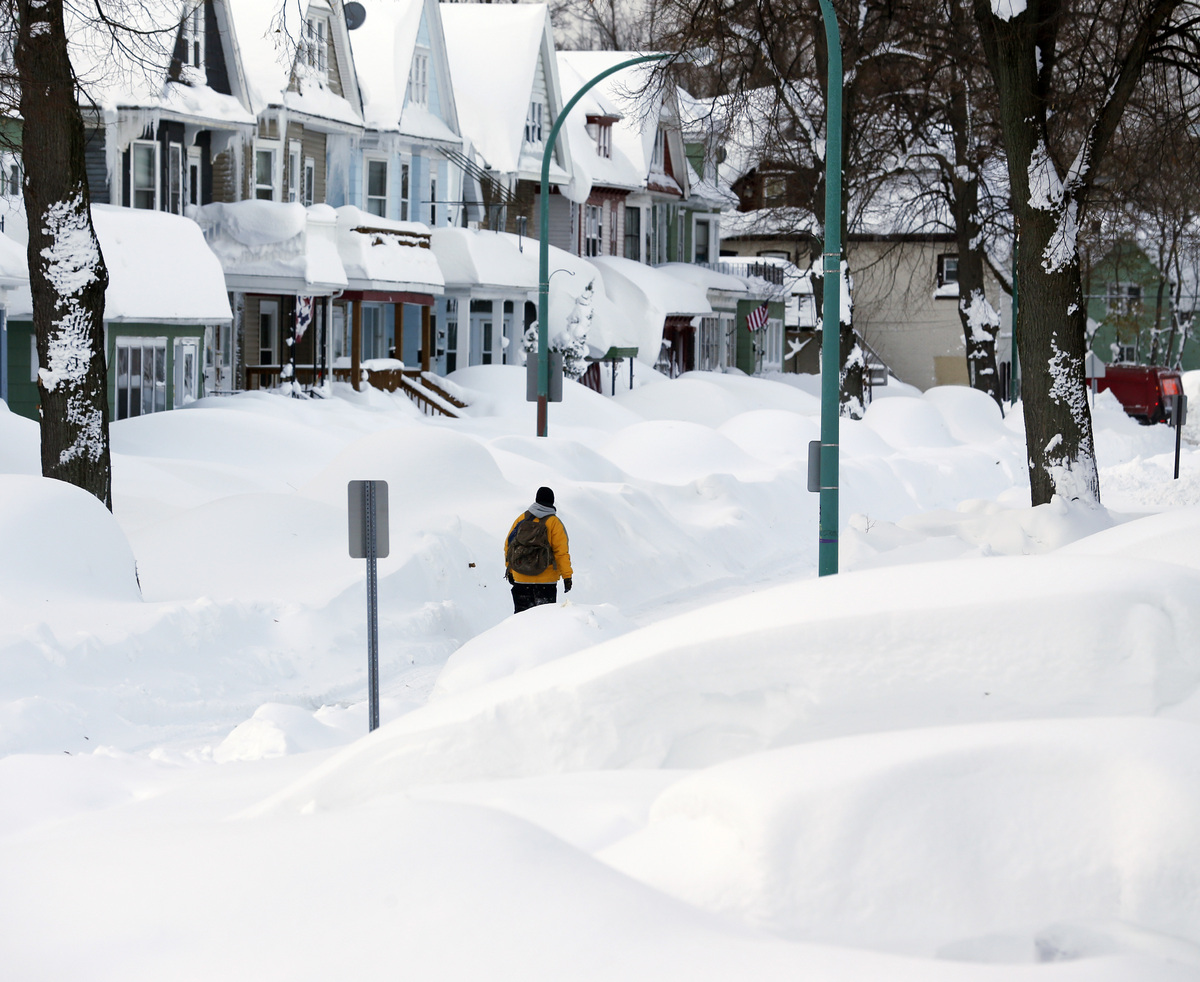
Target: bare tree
(771, 62)
(1064, 71)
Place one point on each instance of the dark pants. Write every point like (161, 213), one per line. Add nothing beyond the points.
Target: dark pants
(526, 595)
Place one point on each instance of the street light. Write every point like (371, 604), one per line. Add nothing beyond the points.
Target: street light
(543, 363)
(831, 314)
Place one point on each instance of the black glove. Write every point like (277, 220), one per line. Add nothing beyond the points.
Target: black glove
(566, 584)
(508, 576)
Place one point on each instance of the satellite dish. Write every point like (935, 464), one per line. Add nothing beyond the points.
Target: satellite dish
(355, 15)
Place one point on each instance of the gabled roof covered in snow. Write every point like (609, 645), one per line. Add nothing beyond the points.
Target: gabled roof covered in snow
(383, 54)
(129, 65)
(622, 169)
(270, 36)
(644, 106)
(497, 52)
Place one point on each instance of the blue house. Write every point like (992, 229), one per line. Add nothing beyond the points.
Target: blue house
(401, 168)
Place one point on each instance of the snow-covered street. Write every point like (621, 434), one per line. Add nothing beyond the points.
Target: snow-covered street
(972, 755)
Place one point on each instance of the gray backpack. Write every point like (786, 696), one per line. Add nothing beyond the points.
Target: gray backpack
(528, 549)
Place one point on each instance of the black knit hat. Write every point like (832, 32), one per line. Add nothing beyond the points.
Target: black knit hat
(545, 497)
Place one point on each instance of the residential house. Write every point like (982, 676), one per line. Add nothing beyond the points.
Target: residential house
(1131, 311)
(165, 296)
(648, 203)
(507, 91)
(281, 264)
(406, 166)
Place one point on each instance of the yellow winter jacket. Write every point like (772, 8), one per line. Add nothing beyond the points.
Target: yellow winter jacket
(558, 542)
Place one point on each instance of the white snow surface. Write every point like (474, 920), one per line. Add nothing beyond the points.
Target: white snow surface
(491, 93)
(972, 756)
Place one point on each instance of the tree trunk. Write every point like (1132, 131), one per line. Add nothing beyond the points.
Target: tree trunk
(67, 276)
(1051, 314)
(980, 320)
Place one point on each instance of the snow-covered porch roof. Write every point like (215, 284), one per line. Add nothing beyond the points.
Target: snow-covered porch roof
(646, 297)
(160, 271)
(491, 264)
(275, 247)
(384, 256)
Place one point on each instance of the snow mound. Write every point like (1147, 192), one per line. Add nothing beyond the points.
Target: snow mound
(276, 730)
(676, 452)
(60, 542)
(20, 443)
(773, 435)
(919, 840)
(908, 423)
(527, 640)
(970, 415)
(934, 643)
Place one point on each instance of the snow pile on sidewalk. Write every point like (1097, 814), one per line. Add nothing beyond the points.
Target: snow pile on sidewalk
(973, 755)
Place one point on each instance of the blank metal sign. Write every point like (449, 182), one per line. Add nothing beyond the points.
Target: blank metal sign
(358, 519)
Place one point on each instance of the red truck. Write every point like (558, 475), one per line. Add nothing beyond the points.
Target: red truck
(1140, 389)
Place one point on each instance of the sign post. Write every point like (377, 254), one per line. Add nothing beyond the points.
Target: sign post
(1177, 405)
(368, 511)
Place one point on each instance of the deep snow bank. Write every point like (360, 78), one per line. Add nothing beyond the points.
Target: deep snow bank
(891, 648)
(978, 841)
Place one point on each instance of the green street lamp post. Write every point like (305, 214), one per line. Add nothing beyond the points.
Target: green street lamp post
(543, 366)
(831, 357)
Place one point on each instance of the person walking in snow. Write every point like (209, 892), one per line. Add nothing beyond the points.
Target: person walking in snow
(536, 555)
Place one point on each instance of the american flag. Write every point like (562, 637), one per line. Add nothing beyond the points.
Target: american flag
(756, 320)
(304, 315)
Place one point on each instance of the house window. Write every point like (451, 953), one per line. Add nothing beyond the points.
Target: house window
(405, 169)
(310, 181)
(600, 130)
(193, 36)
(702, 242)
(658, 160)
(418, 80)
(774, 188)
(376, 196)
(533, 123)
(1126, 354)
(710, 344)
(633, 233)
(374, 336)
(10, 176)
(314, 49)
(1124, 299)
(143, 174)
(192, 183)
(947, 269)
(187, 371)
(141, 376)
(264, 172)
(268, 331)
(432, 202)
(451, 335)
(175, 178)
(293, 171)
(593, 241)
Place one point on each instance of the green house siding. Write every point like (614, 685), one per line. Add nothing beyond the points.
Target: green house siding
(23, 395)
(747, 361)
(1130, 323)
(22, 384)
